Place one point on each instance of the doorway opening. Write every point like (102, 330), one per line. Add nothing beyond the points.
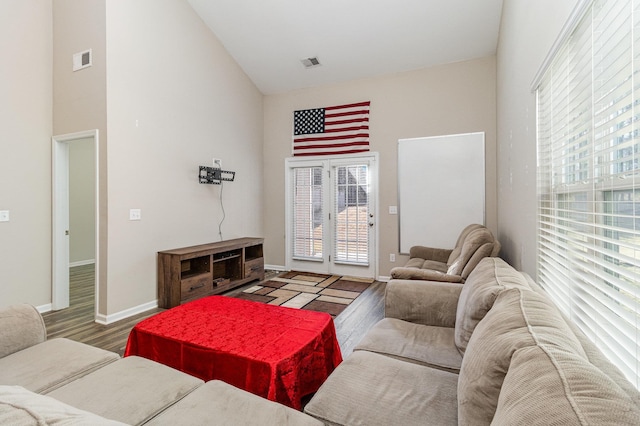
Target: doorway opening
(75, 221)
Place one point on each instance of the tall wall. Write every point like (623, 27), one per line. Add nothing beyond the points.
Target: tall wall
(25, 151)
(80, 97)
(527, 32)
(175, 100)
(449, 99)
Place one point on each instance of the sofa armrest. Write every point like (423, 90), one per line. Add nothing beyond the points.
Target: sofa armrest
(422, 302)
(21, 326)
(430, 253)
(424, 274)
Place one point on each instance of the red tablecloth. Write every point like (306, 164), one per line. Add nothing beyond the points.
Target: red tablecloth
(278, 353)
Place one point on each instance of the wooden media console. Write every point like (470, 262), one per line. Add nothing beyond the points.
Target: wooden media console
(189, 273)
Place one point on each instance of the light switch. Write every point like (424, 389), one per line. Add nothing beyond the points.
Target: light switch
(4, 215)
(135, 214)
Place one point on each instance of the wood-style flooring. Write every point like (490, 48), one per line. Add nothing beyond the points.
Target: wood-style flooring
(77, 321)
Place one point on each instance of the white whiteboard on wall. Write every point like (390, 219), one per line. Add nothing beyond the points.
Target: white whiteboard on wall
(441, 188)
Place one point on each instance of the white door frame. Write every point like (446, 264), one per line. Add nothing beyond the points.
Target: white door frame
(60, 217)
(372, 159)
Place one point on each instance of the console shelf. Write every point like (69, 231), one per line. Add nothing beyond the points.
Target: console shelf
(189, 273)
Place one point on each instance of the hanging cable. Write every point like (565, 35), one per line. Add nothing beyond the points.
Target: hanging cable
(223, 212)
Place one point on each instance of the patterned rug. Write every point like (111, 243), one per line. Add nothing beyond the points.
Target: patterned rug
(304, 290)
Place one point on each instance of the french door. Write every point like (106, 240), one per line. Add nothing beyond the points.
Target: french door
(331, 215)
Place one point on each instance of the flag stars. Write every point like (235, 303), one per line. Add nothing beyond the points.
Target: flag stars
(308, 121)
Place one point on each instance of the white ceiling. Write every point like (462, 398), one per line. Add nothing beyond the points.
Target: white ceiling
(351, 38)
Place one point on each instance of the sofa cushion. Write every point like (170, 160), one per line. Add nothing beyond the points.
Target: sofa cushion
(492, 276)
(131, 390)
(423, 344)
(420, 302)
(48, 365)
(519, 318)
(549, 385)
(478, 239)
(19, 406)
(373, 389)
(216, 402)
(455, 253)
(21, 326)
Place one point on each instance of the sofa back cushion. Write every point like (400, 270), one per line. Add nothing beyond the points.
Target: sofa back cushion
(21, 326)
(549, 385)
(519, 318)
(477, 239)
(460, 241)
(492, 276)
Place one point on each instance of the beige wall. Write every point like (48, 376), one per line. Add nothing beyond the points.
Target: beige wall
(82, 205)
(527, 32)
(449, 99)
(25, 151)
(175, 100)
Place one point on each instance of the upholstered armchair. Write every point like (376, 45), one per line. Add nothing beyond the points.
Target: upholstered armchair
(450, 265)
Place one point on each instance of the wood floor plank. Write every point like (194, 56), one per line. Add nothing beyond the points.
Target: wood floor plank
(77, 322)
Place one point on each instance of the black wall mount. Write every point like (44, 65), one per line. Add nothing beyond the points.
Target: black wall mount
(213, 175)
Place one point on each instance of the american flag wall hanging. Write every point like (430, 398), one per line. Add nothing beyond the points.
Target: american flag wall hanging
(342, 129)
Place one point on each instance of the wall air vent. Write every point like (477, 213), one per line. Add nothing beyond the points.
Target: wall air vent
(310, 62)
(82, 60)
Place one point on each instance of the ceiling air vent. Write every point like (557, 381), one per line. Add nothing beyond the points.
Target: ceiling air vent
(310, 62)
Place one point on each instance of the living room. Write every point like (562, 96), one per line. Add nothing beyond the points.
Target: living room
(158, 119)
(165, 96)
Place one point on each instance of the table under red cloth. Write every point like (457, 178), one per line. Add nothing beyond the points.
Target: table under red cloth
(281, 354)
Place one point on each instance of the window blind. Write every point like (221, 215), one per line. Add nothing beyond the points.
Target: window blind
(589, 179)
(351, 214)
(307, 213)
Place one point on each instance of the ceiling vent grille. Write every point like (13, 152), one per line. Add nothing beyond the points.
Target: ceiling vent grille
(310, 62)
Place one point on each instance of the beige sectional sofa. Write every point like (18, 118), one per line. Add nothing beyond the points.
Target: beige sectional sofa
(60, 381)
(494, 350)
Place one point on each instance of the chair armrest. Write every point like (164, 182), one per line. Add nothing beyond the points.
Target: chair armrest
(422, 302)
(21, 326)
(402, 273)
(430, 253)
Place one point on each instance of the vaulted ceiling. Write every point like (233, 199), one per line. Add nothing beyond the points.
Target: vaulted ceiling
(351, 38)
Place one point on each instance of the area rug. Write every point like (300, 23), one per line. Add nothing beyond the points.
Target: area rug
(303, 290)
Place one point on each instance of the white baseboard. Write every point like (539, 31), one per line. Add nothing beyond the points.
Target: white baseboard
(108, 319)
(44, 308)
(275, 268)
(82, 263)
(384, 279)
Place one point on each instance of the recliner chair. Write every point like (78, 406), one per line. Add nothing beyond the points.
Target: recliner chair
(450, 265)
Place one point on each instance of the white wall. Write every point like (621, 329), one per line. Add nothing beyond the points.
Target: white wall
(527, 32)
(449, 99)
(175, 100)
(25, 151)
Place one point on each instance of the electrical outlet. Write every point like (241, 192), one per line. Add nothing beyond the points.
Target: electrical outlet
(135, 214)
(4, 215)
(393, 209)
(392, 257)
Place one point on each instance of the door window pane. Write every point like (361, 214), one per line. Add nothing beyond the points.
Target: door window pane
(307, 212)
(352, 214)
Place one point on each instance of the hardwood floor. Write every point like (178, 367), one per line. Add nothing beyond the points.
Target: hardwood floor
(76, 322)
